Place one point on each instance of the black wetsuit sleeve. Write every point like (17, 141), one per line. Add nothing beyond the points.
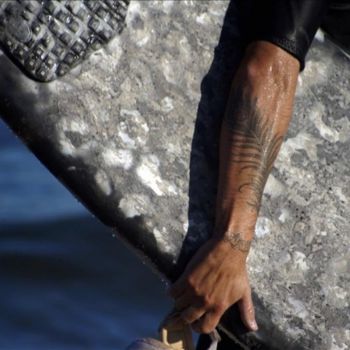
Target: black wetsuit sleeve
(289, 24)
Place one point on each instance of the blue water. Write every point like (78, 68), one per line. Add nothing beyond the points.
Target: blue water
(65, 282)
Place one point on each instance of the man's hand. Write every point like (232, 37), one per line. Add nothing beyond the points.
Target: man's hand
(215, 279)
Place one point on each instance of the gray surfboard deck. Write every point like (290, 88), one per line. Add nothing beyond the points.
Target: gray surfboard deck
(132, 130)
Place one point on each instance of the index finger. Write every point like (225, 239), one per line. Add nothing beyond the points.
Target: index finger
(177, 289)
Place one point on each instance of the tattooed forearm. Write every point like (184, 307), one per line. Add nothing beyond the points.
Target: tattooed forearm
(237, 242)
(253, 143)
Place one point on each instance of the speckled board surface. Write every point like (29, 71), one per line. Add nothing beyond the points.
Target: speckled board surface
(133, 131)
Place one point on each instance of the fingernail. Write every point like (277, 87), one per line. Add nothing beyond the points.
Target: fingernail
(253, 326)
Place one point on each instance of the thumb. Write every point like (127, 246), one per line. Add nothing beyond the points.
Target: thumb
(246, 310)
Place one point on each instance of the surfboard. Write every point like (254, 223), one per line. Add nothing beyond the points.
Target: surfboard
(112, 119)
(123, 104)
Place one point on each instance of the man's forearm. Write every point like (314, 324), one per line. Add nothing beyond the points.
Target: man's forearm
(256, 120)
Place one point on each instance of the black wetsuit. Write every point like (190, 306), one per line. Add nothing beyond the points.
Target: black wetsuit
(292, 25)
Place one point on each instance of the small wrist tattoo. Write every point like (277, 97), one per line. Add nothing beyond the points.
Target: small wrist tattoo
(237, 242)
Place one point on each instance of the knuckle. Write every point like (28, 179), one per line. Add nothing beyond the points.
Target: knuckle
(187, 319)
(191, 282)
(251, 311)
(187, 315)
(194, 287)
(206, 299)
(206, 328)
(220, 307)
(196, 290)
(250, 307)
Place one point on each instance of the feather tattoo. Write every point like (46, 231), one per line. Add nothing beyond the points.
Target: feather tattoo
(254, 145)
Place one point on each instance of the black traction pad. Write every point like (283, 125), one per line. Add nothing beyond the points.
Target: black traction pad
(48, 38)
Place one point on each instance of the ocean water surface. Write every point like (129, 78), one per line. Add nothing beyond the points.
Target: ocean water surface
(65, 281)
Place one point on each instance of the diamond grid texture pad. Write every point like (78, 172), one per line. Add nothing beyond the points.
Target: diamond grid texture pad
(48, 38)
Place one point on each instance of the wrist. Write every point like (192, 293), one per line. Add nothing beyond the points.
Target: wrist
(234, 215)
(234, 244)
(237, 241)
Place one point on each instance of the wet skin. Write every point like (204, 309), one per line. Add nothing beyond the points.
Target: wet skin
(257, 116)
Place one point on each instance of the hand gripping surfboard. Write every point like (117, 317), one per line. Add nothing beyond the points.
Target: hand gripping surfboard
(129, 121)
(74, 91)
